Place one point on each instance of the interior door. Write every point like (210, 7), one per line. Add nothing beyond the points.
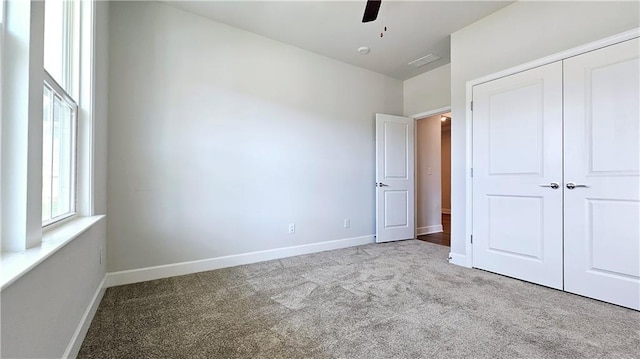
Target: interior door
(602, 174)
(395, 202)
(517, 174)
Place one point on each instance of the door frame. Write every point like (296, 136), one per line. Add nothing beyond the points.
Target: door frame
(466, 259)
(417, 117)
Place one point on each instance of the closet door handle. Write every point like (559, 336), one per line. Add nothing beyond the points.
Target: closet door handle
(553, 185)
(571, 185)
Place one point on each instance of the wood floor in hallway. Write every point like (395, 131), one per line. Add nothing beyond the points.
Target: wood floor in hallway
(443, 238)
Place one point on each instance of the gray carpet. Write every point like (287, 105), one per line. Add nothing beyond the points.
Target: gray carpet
(394, 300)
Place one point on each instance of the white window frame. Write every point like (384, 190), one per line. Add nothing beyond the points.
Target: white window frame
(69, 92)
(59, 92)
(2, 24)
(71, 22)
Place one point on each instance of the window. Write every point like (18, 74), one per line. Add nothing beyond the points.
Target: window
(59, 156)
(2, 21)
(60, 110)
(1, 28)
(61, 55)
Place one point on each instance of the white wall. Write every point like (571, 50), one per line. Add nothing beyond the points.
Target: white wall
(101, 88)
(516, 34)
(428, 91)
(428, 173)
(219, 138)
(446, 167)
(42, 309)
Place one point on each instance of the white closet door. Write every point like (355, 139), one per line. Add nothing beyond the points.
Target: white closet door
(602, 159)
(517, 155)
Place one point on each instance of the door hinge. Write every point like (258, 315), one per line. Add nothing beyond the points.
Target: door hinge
(471, 105)
(472, 239)
(471, 171)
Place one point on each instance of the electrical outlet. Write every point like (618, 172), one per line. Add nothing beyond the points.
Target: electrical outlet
(292, 228)
(347, 223)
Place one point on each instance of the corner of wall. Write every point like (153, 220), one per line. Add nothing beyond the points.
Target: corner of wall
(427, 91)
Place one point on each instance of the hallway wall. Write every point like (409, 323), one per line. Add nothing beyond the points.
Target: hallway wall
(446, 167)
(428, 172)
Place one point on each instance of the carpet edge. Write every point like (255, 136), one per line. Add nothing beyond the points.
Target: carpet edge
(73, 348)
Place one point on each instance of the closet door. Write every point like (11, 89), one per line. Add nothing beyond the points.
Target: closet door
(602, 168)
(517, 174)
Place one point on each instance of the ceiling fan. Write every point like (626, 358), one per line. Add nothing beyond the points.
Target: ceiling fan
(371, 10)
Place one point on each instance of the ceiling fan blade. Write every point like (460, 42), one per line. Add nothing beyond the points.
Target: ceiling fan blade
(371, 10)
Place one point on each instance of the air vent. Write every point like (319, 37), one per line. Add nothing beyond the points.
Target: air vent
(424, 60)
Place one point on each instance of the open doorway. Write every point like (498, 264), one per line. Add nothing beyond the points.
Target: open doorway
(433, 179)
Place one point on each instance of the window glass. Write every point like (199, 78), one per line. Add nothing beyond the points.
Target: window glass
(47, 153)
(1, 11)
(55, 48)
(58, 157)
(62, 160)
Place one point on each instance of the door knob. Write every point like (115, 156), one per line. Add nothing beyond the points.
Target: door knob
(382, 184)
(553, 185)
(571, 185)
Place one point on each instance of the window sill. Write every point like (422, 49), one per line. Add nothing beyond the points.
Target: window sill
(14, 265)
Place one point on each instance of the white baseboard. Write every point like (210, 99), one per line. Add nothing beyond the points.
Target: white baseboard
(446, 211)
(81, 331)
(458, 259)
(429, 229)
(176, 269)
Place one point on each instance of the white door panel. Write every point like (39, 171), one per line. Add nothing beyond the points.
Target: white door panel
(517, 149)
(395, 219)
(523, 213)
(602, 152)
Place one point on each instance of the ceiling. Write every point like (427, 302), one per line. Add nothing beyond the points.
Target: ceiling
(334, 28)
